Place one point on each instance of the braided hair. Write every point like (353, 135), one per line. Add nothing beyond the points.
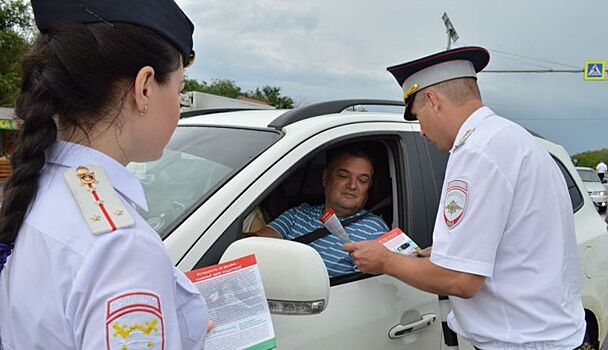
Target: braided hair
(73, 76)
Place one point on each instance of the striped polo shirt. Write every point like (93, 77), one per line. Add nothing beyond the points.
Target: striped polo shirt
(306, 218)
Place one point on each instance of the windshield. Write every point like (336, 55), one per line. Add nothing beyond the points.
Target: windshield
(588, 175)
(196, 162)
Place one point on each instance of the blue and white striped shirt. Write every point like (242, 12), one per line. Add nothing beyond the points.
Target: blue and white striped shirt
(306, 218)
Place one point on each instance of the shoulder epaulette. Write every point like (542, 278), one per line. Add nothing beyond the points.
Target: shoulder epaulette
(98, 201)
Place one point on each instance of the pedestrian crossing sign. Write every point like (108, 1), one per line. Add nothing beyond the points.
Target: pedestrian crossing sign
(595, 70)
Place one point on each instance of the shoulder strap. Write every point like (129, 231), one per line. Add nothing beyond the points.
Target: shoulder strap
(322, 232)
(97, 199)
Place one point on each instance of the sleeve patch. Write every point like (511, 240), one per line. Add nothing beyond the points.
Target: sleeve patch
(134, 320)
(455, 202)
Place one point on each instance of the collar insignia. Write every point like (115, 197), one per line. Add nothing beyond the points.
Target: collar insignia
(463, 139)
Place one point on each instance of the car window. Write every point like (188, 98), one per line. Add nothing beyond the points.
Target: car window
(194, 164)
(576, 198)
(588, 175)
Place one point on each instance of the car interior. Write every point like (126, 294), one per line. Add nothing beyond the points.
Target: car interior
(303, 185)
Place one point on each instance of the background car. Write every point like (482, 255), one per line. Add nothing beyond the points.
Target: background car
(222, 168)
(595, 188)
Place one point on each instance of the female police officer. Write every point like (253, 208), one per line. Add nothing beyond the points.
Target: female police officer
(100, 89)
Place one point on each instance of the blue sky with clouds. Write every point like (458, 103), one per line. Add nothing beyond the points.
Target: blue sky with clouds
(317, 50)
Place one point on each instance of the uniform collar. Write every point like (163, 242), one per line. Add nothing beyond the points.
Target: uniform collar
(72, 155)
(468, 127)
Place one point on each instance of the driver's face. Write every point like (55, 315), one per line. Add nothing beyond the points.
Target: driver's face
(347, 184)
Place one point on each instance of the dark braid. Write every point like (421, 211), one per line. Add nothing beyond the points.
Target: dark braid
(73, 76)
(35, 107)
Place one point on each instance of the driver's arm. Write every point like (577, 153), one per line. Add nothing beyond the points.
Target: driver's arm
(263, 232)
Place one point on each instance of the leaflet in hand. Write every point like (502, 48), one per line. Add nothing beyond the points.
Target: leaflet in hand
(332, 224)
(237, 305)
(397, 241)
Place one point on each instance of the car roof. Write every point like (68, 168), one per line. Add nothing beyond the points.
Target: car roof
(279, 119)
(252, 118)
(584, 168)
(264, 118)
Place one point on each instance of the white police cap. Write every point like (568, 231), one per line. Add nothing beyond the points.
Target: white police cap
(421, 73)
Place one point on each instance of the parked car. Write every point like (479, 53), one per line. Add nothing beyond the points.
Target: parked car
(595, 187)
(220, 169)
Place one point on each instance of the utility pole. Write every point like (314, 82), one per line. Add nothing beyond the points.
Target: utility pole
(450, 30)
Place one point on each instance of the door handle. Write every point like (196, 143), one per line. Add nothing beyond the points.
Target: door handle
(402, 330)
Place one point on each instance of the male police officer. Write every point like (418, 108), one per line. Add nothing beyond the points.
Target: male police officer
(504, 242)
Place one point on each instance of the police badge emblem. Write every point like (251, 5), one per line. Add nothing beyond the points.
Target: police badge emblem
(134, 320)
(455, 202)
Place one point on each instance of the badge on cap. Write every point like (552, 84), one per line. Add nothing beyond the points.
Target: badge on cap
(410, 91)
(102, 208)
(455, 202)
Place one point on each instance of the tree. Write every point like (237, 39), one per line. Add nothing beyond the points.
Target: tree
(590, 158)
(272, 96)
(16, 32)
(220, 87)
(228, 88)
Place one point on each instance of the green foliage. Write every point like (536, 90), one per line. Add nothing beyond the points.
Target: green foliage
(220, 87)
(16, 28)
(228, 88)
(590, 158)
(272, 96)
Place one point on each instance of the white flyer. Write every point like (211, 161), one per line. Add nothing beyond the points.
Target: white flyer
(334, 226)
(397, 241)
(237, 305)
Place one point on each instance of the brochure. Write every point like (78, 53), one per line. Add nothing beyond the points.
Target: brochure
(332, 224)
(397, 241)
(237, 305)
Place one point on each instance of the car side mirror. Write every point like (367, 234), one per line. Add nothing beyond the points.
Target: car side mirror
(294, 276)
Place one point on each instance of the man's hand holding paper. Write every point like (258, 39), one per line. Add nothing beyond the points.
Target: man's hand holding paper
(371, 256)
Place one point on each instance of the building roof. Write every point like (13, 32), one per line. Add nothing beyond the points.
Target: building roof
(7, 113)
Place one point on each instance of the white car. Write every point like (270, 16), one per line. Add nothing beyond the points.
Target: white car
(595, 187)
(224, 171)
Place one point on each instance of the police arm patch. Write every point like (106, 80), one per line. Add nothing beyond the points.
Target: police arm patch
(134, 320)
(455, 202)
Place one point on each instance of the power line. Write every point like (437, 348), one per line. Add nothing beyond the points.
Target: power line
(532, 58)
(524, 71)
(546, 70)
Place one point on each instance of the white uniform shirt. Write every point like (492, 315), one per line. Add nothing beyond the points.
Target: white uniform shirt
(65, 288)
(505, 214)
(601, 168)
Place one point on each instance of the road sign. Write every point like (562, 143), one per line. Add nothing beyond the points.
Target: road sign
(595, 70)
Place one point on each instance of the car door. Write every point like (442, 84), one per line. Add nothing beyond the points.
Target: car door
(361, 313)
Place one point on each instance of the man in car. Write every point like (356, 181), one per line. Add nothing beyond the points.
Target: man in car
(346, 180)
(504, 245)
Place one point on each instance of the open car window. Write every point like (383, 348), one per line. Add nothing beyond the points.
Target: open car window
(303, 184)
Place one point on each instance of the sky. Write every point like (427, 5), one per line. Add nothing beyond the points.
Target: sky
(318, 50)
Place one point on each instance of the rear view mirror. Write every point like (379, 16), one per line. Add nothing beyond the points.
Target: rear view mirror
(294, 276)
